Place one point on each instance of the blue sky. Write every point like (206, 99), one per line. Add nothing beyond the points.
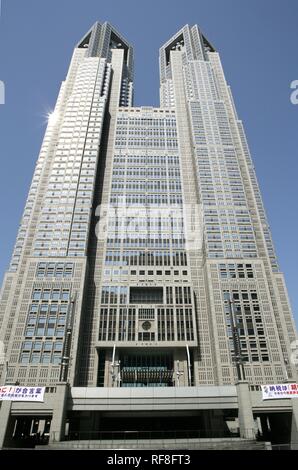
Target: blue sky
(257, 41)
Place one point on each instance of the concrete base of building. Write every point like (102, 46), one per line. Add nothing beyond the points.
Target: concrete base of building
(113, 418)
(166, 444)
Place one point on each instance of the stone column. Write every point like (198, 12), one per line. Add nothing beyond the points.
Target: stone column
(4, 420)
(57, 432)
(294, 430)
(245, 415)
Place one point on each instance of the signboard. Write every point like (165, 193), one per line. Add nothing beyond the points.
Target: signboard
(270, 392)
(17, 393)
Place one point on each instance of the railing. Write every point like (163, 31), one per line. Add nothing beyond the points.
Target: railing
(159, 435)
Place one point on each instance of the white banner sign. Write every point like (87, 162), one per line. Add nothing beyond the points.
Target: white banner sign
(270, 392)
(17, 393)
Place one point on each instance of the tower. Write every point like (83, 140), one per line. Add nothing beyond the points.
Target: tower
(144, 257)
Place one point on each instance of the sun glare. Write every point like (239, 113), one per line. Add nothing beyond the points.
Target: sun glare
(53, 117)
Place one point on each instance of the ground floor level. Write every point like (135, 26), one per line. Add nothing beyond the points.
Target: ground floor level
(81, 417)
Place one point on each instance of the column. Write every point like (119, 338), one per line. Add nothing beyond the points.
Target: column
(57, 432)
(4, 420)
(245, 415)
(294, 430)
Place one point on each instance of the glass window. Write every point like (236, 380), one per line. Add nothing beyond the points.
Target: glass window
(50, 270)
(33, 308)
(29, 332)
(35, 358)
(43, 310)
(46, 294)
(25, 358)
(50, 329)
(56, 359)
(63, 309)
(48, 346)
(55, 294)
(36, 294)
(40, 329)
(65, 295)
(45, 359)
(58, 346)
(53, 309)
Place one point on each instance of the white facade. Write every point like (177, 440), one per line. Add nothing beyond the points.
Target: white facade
(141, 225)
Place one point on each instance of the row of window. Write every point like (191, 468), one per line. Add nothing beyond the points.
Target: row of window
(145, 172)
(146, 199)
(43, 309)
(181, 295)
(160, 160)
(146, 131)
(133, 242)
(40, 358)
(232, 271)
(146, 142)
(42, 346)
(121, 325)
(45, 326)
(144, 258)
(58, 270)
(147, 186)
(53, 294)
(151, 122)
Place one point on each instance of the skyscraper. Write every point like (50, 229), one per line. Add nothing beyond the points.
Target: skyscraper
(144, 257)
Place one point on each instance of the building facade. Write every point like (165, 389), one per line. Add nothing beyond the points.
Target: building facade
(144, 256)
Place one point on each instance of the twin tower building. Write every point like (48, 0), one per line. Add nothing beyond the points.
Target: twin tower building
(144, 264)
